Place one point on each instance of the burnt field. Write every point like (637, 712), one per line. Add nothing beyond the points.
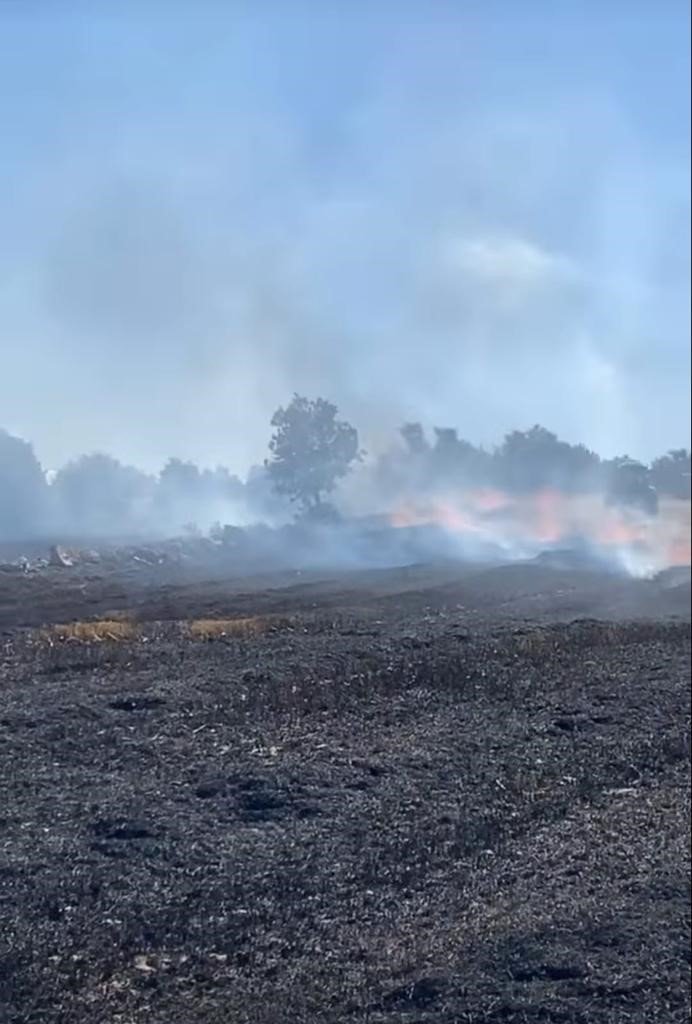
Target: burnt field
(420, 795)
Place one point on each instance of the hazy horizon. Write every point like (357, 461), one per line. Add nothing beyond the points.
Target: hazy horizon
(470, 215)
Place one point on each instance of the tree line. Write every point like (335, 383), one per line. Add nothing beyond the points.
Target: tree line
(310, 451)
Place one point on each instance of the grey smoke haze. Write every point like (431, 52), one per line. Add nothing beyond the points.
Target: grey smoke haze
(469, 215)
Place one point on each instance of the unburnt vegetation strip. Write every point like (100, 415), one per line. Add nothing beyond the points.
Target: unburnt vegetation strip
(346, 816)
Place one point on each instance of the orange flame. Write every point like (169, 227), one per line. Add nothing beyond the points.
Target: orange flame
(549, 517)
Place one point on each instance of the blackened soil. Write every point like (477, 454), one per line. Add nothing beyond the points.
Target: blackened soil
(387, 808)
(507, 591)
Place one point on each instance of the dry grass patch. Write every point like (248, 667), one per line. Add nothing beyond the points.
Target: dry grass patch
(91, 632)
(242, 628)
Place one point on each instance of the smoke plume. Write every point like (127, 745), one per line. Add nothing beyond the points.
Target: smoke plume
(468, 216)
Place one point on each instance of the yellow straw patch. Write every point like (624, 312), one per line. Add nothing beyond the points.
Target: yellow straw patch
(209, 629)
(91, 632)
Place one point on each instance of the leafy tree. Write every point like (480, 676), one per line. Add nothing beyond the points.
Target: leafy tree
(628, 483)
(184, 481)
(670, 473)
(535, 458)
(99, 495)
(310, 451)
(178, 477)
(447, 444)
(583, 464)
(178, 494)
(220, 485)
(613, 469)
(456, 460)
(23, 489)
(415, 439)
(186, 495)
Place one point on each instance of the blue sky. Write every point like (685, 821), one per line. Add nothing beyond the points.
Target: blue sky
(473, 214)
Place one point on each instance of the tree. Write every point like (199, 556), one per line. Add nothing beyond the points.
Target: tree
(670, 473)
(178, 495)
(535, 458)
(455, 460)
(310, 450)
(220, 484)
(414, 438)
(261, 497)
(628, 483)
(97, 494)
(186, 494)
(180, 478)
(23, 489)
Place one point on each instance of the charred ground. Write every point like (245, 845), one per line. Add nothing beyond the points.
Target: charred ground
(422, 795)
